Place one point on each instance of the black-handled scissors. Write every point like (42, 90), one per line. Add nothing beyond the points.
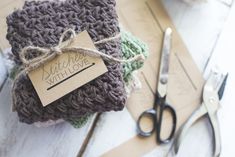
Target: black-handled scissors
(160, 104)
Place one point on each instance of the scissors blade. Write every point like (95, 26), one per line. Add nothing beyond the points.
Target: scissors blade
(164, 64)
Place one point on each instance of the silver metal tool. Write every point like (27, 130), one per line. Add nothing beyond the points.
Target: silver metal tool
(212, 93)
(160, 105)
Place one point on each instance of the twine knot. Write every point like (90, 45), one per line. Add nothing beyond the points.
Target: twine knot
(56, 50)
(47, 54)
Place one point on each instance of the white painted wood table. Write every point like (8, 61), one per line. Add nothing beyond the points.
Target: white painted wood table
(200, 26)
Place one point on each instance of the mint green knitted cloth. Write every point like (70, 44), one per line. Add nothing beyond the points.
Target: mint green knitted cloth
(131, 46)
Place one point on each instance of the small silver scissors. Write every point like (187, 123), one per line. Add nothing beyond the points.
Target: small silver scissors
(212, 93)
(160, 105)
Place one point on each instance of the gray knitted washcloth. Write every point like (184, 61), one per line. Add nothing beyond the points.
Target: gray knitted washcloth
(41, 24)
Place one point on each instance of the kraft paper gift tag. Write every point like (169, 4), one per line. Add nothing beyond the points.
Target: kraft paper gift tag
(67, 71)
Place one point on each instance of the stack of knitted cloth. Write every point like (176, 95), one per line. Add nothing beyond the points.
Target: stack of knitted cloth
(131, 46)
(41, 24)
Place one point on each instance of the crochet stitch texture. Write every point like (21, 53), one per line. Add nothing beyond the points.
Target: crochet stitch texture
(41, 24)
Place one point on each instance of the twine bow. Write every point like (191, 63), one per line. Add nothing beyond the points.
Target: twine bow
(47, 54)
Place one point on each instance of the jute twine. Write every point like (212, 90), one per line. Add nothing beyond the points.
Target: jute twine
(47, 54)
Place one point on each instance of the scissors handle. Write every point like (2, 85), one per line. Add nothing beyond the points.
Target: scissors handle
(157, 123)
(166, 108)
(151, 113)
